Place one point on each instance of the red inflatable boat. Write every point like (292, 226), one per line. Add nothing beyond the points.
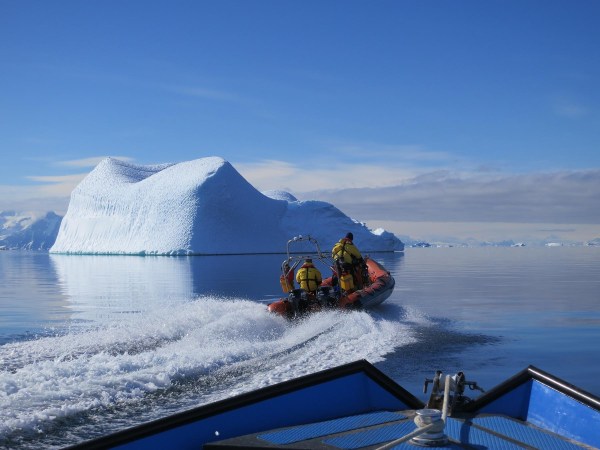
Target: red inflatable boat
(369, 289)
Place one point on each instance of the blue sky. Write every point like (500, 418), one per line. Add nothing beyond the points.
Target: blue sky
(430, 118)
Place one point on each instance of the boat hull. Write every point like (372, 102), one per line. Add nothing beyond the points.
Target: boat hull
(533, 409)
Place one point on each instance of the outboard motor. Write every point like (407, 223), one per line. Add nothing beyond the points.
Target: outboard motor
(326, 296)
(364, 270)
(299, 300)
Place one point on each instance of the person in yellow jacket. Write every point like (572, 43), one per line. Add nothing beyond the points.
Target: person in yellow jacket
(348, 258)
(345, 251)
(308, 276)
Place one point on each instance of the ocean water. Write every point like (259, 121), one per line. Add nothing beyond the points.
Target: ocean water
(95, 344)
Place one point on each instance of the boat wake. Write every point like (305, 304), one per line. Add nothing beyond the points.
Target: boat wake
(171, 358)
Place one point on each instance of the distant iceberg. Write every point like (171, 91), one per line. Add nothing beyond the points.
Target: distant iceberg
(28, 232)
(199, 207)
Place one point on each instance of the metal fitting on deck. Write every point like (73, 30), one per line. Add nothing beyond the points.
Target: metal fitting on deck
(432, 420)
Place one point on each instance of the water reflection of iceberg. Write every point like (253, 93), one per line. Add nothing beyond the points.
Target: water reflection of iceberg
(101, 287)
(29, 300)
(105, 285)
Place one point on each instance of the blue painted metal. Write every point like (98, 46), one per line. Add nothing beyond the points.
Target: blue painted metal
(318, 402)
(556, 412)
(356, 401)
(352, 389)
(523, 433)
(314, 430)
(547, 407)
(514, 403)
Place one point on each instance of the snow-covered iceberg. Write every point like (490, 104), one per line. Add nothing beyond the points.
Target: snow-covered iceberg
(200, 207)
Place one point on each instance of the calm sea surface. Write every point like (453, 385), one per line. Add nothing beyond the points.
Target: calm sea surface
(94, 344)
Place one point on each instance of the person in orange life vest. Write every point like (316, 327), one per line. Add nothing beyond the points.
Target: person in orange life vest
(347, 256)
(289, 276)
(308, 276)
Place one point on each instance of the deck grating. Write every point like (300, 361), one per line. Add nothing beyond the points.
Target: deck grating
(465, 433)
(526, 434)
(314, 430)
(383, 427)
(372, 437)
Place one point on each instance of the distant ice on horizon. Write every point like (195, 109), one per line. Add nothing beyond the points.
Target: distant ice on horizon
(203, 207)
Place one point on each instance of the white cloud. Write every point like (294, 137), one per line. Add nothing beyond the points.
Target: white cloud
(37, 199)
(270, 174)
(56, 186)
(395, 154)
(560, 197)
(496, 205)
(458, 232)
(52, 194)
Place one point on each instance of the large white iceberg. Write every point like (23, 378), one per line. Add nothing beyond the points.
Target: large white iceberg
(199, 207)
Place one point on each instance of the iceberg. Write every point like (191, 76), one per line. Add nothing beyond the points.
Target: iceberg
(199, 207)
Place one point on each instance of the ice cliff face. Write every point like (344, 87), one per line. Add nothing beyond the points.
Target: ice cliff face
(202, 206)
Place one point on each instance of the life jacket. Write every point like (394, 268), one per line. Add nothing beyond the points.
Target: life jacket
(287, 281)
(345, 251)
(308, 277)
